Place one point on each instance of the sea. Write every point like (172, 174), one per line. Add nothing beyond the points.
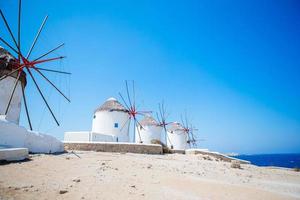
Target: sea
(275, 160)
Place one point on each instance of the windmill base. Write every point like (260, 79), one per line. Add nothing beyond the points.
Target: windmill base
(15, 136)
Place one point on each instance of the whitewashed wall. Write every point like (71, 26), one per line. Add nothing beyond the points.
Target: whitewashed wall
(147, 134)
(6, 88)
(104, 123)
(12, 135)
(96, 137)
(83, 136)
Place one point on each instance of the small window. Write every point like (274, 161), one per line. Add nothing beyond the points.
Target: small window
(116, 125)
(94, 116)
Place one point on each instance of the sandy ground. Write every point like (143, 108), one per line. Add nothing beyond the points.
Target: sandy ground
(95, 175)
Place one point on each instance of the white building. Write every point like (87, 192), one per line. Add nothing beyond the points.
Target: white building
(177, 137)
(7, 85)
(112, 119)
(147, 130)
(110, 124)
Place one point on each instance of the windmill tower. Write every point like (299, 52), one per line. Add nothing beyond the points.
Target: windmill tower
(132, 112)
(177, 137)
(7, 62)
(109, 118)
(149, 129)
(15, 70)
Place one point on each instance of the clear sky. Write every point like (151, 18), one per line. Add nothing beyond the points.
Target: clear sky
(233, 65)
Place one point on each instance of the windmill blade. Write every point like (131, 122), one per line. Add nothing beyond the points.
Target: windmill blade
(38, 88)
(167, 136)
(133, 90)
(52, 84)
(13, 92)
(125, 124)
(138, 130)
(46, 60)
(26, 108)
(45, 54)
(163, 109)
(160, 112)
(37, 36)
(189, 140)
(19, 30)
(193, 136)
(186, 120)
(10, 73)
(9, 30)
(134, 126)
(144, 112)
(128, 95)
(7, 44)
(182, 121)
(158, 119)
(124, 101)
(138, 123)
(50, 70)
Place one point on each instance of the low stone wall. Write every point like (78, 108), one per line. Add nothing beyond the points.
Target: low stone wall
(215, 155)
(114, 147)
(177, 151)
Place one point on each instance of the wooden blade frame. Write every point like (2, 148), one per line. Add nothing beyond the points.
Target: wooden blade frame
(24, 63)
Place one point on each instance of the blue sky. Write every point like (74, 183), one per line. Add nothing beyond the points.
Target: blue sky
(233, 65)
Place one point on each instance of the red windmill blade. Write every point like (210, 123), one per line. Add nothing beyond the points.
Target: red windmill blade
(162, 121)
(132, 109)
(24, 62)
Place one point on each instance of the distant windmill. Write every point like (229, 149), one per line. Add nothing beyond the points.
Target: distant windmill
(14, 68)
(132, 110)
(189, 129)
(162, 119)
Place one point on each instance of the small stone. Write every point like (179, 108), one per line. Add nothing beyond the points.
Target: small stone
(149, 166)
(133, 186)
(63, 191)
(77, 180)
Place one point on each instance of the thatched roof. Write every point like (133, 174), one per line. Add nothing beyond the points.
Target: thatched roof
(175, 126)
(111, 104)
(148, 121)
(6, 59)
(8, 63)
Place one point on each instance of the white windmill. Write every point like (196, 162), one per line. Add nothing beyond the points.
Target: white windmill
(108, 120)
(16, 70)
(149, 130)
